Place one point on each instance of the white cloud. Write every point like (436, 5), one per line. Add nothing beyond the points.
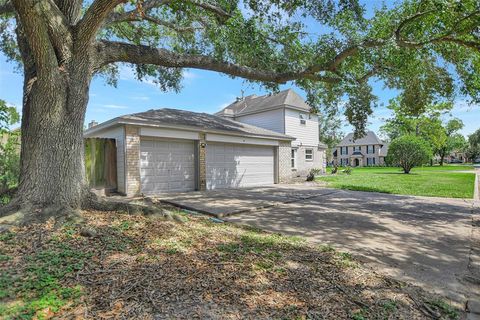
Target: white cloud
(143, 98)
(114, 106)
(126, 73)
(189, 75)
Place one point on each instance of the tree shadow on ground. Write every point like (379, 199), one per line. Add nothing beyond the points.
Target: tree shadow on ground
(150, 269)
(426, 241)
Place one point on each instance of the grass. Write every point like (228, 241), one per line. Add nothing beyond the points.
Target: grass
(35, 291)
(142, 267)
(435, 181)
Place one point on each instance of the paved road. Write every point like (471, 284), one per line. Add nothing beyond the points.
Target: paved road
(426, 241)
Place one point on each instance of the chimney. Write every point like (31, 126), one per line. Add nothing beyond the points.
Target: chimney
(92, 124)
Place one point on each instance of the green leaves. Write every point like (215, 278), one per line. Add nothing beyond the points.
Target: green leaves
(9, 148)
(409, 151)
(427, 49)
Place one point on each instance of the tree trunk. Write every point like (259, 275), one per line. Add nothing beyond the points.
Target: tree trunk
(442, 157)
(51, 168)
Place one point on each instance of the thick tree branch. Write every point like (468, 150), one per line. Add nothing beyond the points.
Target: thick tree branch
(348, 52)
(446, 37)
(6, 7)
(94, 18)
(58, 30)
(36, 33)
(71, 9)
(212, 8)
(123, 52)
(164, 23)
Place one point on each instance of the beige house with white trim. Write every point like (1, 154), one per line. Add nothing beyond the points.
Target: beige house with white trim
(366, 151)
(256, 141)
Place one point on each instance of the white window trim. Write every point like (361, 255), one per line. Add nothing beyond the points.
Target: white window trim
(294, 158)
(306, 159)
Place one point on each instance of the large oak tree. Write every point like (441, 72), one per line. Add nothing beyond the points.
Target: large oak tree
(430, 49)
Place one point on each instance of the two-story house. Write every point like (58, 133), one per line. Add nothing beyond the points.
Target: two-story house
(286, 113)
(256, 141)
(366, 151)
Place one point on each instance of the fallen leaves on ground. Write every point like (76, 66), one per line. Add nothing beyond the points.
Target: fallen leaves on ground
(132, 266)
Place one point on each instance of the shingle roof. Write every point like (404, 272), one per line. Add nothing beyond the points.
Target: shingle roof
(204, 121)
(252, 104)
(369, 138)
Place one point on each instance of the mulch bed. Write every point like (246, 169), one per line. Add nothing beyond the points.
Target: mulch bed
(137, 267)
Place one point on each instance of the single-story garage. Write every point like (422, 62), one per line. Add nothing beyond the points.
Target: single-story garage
(169, 150)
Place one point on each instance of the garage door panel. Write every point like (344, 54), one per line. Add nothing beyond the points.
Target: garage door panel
(166, 166)
(231, 166)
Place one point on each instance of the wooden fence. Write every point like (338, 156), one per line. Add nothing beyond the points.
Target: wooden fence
(101, 163)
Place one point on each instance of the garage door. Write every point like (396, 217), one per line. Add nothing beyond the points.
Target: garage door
(166, 165)
(236, 166)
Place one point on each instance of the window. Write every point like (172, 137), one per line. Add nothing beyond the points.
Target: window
(343, 162)
(294, 158)
(371, 149)
(357, 148)
(370, 161)
(302, 119)
(309, 154)
(343, 150)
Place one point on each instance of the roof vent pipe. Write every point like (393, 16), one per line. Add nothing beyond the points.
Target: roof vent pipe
(92, 124)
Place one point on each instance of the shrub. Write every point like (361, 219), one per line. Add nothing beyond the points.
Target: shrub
(9, 148)
(313, 172)
(409, 151)
(348, 170)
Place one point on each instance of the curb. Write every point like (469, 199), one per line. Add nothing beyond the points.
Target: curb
(476, 195)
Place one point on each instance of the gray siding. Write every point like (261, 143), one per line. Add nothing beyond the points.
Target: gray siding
(306, 134)
(271, 120)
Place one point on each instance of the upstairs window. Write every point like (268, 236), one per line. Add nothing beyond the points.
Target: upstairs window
(308, 154)
(302, 119)
(343, 150)
(370, 149)
(357, 148)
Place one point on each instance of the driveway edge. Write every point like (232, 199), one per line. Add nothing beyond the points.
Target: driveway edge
(476, 191)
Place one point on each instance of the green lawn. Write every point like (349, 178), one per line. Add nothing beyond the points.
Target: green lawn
(433, 181)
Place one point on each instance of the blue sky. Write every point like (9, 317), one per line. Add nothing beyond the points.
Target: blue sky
(203, 91)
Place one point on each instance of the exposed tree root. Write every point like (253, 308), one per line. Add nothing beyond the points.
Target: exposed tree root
(93, 202)
(21, 213)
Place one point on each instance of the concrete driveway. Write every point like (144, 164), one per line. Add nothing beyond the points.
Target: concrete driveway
(430, 242)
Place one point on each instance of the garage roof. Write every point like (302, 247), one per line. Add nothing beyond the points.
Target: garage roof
(182, 119)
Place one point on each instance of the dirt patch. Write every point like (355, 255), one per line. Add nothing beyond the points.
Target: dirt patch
(132, 266)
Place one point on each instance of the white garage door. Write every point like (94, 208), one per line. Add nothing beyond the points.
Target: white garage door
(235, 165)
(166, 165)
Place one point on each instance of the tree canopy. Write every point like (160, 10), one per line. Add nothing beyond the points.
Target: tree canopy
(427, 123)
(429, 49)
